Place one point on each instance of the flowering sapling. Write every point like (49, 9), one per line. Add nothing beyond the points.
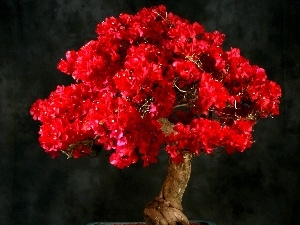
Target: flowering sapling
(155, 79)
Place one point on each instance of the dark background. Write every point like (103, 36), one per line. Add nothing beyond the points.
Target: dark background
(260, 186)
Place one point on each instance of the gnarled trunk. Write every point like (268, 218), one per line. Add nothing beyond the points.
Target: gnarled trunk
(166, 208)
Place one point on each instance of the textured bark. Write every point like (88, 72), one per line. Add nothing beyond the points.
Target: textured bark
(167, 208)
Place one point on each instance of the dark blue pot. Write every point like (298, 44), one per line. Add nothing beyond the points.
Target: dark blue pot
(196, 222)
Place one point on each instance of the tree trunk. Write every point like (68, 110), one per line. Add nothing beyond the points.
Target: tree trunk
(166, 208)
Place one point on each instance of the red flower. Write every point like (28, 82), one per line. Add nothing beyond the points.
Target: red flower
(67, 66)
(145, 67)
(212, 94)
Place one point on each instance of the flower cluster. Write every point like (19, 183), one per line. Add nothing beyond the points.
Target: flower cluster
(203, 134)
(146, 68)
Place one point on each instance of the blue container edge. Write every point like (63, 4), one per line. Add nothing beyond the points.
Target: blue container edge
(126, 223)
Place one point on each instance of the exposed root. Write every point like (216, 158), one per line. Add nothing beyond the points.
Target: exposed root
(161, 212)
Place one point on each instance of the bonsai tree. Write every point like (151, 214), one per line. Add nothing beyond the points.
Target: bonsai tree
(150, 82)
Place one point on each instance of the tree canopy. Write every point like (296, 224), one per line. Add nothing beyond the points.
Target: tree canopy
(154, 79)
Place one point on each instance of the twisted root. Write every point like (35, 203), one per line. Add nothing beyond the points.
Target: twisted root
(161, 212)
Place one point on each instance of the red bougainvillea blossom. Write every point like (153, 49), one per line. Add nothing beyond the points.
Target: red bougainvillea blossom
(154, 79)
